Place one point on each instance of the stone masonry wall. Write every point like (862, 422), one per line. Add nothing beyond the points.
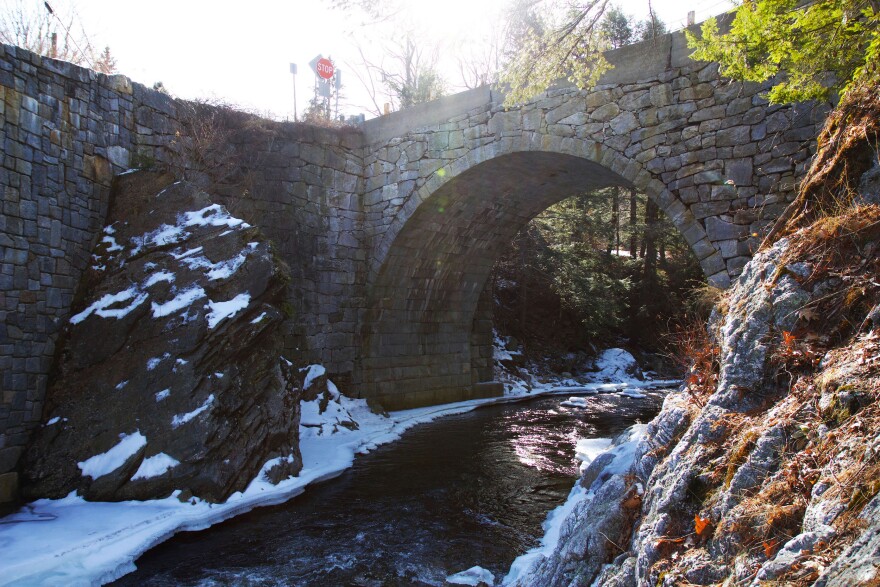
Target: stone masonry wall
(65, 130)
(302, 189)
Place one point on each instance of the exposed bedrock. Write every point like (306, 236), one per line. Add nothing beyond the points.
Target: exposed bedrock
(170, 374)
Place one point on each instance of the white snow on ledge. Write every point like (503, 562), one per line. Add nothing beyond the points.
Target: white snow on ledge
(105, 463)
(102, 306)
(221, 310)
(154, 466)
(180, 419)
(91, 543)
(182, 300)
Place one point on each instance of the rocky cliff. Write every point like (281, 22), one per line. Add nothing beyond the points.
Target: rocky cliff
(764, 469)
(170, 374)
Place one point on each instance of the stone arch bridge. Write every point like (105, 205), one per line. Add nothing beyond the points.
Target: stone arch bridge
(390, 230)
(443, 196)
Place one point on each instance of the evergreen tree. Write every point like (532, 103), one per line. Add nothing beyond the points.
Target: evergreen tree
(821, 46)
(617, 28)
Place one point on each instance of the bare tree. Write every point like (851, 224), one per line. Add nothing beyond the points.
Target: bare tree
(480, 62)
(50, 30)
(399, 71)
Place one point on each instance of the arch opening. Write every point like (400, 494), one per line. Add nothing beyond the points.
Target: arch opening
(426, 336)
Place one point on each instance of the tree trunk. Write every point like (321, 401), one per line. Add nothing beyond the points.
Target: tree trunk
(649, 276)
(614, 241)
(523, 280)
(633, 221)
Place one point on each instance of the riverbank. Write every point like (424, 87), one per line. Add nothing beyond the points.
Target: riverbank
(74, 542)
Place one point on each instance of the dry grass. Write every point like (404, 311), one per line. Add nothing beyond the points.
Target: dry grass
(690, 347)
(847, 147)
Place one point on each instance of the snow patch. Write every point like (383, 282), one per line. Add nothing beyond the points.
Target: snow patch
(225, 269)
(154, 466)
(616, 365)
(54, 420)
(180, 419)
(154, 362)
(163, 394)
(473, 576)
(213, 215)
(157, 277)
(315, 371)
(181, 255)
(258, 318)
(105, 463)
(588, 449)
(182, 300)
(112, 245)
(102, 307)
(227, 309)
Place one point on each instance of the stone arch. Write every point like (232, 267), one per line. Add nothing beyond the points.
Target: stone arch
(426, 335)
(631, 172)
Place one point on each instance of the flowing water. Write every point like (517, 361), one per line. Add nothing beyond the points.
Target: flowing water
(465, 490)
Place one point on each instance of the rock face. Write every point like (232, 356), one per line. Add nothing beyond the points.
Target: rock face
(170, 375)
(772, 475)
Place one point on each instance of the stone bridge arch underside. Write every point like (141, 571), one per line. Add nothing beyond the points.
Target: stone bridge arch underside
(427, 331)
(442, 197)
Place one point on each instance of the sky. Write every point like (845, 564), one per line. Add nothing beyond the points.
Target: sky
(240, 52)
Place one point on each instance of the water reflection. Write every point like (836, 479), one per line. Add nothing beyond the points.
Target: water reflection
(465, 490)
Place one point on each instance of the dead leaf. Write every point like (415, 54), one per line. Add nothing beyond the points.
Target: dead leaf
(702, 525)
(808, 314)
(770, 547)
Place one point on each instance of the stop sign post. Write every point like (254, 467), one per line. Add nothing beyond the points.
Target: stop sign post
(325, 72)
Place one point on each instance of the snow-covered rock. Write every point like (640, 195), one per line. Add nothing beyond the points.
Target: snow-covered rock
(616, 365)
(473, 576)
(167, 380)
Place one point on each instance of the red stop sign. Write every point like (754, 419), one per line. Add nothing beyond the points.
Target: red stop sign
(325, 68)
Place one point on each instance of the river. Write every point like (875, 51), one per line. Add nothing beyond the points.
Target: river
(465, 490)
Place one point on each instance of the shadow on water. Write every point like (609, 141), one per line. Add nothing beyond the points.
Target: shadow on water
(465, 490)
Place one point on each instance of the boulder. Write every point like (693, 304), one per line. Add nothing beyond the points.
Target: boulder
(170, 374)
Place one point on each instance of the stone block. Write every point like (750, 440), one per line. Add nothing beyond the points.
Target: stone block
(715, 112)
(567, 109)
(661, 95)
(697, 92)
(624, 123)
(740, 172)
(720, 230)
(730, 137)
(598, 98)
(9, 457)
(720, 280)
(606, 112)
(706, 209)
